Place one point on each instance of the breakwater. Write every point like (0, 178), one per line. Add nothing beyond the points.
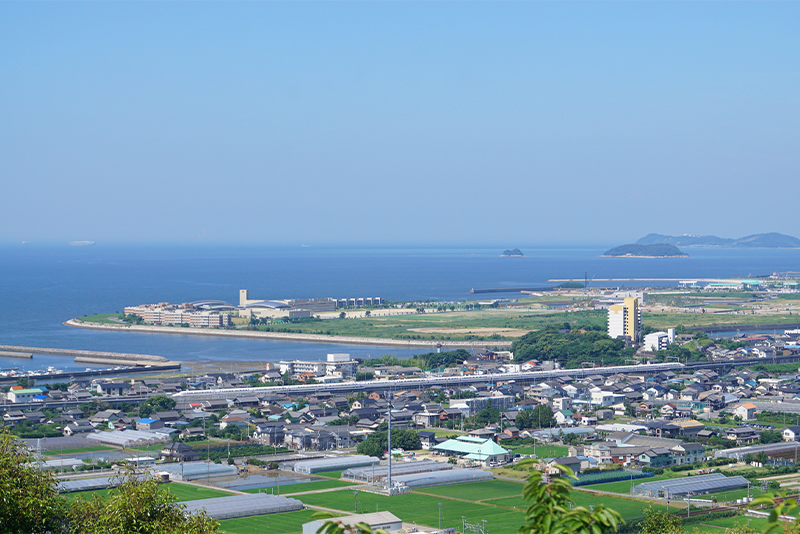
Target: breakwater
(285, 336)
(97, 355)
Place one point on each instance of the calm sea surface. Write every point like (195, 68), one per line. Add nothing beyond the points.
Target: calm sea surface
(40, 287)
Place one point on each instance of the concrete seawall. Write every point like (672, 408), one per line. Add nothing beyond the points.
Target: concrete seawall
(111, 357)
(283, 336)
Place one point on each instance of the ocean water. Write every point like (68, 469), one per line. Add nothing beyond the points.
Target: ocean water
(42, 286)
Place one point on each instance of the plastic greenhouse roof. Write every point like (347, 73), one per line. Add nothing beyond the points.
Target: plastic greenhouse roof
(443, 478)
(334, 463)
(380, 471)
(694, 485)
(243, 505)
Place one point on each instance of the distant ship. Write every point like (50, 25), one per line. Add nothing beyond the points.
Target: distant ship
(80, 243)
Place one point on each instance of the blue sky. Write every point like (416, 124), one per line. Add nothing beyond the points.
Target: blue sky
(397, 123)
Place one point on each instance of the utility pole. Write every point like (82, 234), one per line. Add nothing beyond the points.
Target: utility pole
(389, 439)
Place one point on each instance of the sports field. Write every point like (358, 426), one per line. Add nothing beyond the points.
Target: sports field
(285, 523)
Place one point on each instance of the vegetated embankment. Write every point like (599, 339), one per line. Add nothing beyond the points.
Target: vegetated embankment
(91, 355)
(284, 336)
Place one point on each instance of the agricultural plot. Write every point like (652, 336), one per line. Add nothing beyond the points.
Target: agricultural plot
(422, 509)
(477, 491)
(182, 492)
(624, 486)
(306, 486)
(285, 523)
(543, 451)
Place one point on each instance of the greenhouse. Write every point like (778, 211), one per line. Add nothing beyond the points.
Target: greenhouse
(378, 472)
(64, 463)
(441, 478)
(684, 486)
(196, 470)
(88, 484)
(243, 505)
(336, 463)
(126, 438)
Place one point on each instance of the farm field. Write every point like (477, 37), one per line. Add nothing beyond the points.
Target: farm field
(477, 491)
(422, 509)
(628, 508)
(624, 486)
(285, 523)
(182, 492)
(79, 450)
(330, 474)
(306, 486)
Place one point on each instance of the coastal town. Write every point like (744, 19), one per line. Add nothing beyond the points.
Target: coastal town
(679, 419)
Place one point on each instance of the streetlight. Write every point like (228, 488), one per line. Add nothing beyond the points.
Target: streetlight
(355, 498)
(440, 516)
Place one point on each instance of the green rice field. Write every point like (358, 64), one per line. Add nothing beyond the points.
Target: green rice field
(306, 486)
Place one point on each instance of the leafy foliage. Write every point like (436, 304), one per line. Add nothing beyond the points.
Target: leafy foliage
(571, 348)
(138, 506)
(660, 523)
(29, 502)
(158, 403)
(377, 442)
(428, 361)
(552, 510)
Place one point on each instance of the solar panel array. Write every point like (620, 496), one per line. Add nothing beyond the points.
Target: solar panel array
(333, 464)
(697, 485)
(368, 474)
(243, 505)
(442, 478)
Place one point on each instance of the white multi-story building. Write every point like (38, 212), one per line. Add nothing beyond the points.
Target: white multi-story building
(472, 406)
(335, 364)
(659, 340)
(625, 320)
(165, 313)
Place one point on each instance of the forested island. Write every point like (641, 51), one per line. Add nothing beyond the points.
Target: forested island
(514, 253)
(769, 240)
(659, 250)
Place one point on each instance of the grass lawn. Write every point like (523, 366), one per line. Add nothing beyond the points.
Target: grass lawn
(422, 509)
(285, 523)
(104, 318)
(183, 492)
(306, 486)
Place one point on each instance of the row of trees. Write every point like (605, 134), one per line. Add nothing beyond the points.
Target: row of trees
(30, 503)
(572, 348)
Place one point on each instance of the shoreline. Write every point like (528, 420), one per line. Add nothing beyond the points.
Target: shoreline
(646, 257)
(284, 336)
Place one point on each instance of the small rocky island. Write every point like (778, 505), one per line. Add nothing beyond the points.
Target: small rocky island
(658, 250)
(515, 253)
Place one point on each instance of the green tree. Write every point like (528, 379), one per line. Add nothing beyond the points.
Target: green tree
(490, 414)
(660, 523)
(553, 511)
(377, 442)
(158, 403)
(542, 417)
(29, 501)
(770, 436)
(141, 506)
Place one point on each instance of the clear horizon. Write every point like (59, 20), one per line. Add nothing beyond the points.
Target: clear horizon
(397, 124)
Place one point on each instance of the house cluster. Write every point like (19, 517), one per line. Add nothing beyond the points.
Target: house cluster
(627, 448)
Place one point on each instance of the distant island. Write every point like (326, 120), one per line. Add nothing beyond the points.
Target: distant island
(659, 250)
(81, 243)
(770, 240)
(515, 253)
